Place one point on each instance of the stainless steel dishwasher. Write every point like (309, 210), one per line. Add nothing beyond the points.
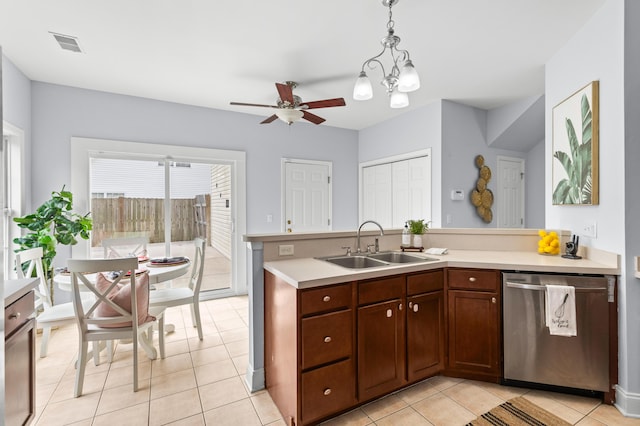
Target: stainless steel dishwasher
(532, 355)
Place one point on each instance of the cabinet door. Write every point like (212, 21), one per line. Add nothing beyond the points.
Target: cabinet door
(19, 358)
(425, 335)
(473, 319)
(381, 340)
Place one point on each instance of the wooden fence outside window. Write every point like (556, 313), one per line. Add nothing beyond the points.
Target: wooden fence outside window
(128, 217)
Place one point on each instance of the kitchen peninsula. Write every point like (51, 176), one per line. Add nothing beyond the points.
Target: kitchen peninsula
(295, 297)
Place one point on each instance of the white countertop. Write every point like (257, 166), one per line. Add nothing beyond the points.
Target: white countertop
(15, 289)
(310, 272)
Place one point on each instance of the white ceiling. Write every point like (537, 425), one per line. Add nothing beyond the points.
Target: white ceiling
(484, 53)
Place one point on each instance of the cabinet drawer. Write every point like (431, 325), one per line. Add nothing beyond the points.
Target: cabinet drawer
(473, 279)
(425, 282)
(326, 338)
(18, 313)
(375, 291)
(325, 299)
(328, 390)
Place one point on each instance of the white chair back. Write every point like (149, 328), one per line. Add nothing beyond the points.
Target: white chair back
(28, 261)
(80, 283)
(125, 247)
(195, 281)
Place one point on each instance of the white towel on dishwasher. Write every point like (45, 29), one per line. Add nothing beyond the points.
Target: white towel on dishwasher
(560, 310)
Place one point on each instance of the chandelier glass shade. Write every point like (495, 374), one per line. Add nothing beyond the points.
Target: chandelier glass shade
(402, 76)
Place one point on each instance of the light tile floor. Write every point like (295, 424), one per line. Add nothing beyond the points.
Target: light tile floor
(203, 383)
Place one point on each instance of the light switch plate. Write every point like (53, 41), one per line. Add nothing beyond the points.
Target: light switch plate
(590, 230)
(285, 250)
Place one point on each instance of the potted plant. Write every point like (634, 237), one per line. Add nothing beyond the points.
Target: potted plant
(417, 228)
(51, 224)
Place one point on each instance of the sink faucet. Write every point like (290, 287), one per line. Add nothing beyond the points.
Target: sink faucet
(358, 236)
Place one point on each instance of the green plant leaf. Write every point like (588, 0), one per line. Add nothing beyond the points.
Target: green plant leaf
(586, 119)
(577, 188)
(51, 224)
(562, 193)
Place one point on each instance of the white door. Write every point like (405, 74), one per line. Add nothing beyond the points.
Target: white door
(377, 192)
(411, 190)
(510, 197)
(307, 196)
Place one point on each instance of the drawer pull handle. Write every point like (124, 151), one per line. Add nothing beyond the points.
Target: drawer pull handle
(327, 392)
(415, 308)
(400, 306)
(472, 279)
(389, 313)
(493, 300)
(326, 299)
(15, 315)
(327, 339)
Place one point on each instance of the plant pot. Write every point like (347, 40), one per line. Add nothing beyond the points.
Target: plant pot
(417, 240)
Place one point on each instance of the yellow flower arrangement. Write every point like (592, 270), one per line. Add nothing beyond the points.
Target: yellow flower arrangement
(549, 242)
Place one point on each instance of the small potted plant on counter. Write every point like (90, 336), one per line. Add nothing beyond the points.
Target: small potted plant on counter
(417, 228)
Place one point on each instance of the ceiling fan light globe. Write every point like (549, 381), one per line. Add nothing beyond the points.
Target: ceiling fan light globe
(398, 99)
(289, 115)
(409, 80)
(362, 90)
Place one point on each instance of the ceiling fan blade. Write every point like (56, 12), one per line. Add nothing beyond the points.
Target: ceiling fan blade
(312, 117)
(286, 92)
(255, 105)
(269, 119)
(326, 103)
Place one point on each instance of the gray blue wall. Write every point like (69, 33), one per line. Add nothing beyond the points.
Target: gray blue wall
(60, 112)
(606, 49)
(455, 133)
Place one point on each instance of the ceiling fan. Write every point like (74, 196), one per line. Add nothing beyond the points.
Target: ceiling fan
(291, 108)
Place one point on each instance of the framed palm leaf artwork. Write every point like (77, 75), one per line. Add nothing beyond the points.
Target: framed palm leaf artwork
(575, 148)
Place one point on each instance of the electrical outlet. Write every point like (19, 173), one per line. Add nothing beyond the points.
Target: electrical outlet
(590, 230)
(285, 250)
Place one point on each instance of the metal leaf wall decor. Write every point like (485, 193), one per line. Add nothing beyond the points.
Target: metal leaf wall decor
(481, 196)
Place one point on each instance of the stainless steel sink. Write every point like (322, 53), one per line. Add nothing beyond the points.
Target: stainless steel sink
(396, 257)
(355, 262)
(375, 260)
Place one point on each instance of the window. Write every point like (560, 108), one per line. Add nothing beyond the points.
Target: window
(139, 179)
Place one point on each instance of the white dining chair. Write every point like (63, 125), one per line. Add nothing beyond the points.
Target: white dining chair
(48, 315)
(125, 247)
(177, 296)
(118, 312)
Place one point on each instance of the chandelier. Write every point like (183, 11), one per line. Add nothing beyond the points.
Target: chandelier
(402, 77)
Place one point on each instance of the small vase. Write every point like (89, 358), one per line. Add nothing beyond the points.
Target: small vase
(417, 240)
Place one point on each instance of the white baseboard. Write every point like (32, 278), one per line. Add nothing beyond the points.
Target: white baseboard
(628, 402)
(254, 378)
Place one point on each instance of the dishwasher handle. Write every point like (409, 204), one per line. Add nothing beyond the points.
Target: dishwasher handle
(526, 286)
(543, 287)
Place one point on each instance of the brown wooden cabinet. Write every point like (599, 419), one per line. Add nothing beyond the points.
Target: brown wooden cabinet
(19, 359)
(309, 349)
(381, 336)
(400, 331)
(330, 348)
(473, 317)
(425, 325)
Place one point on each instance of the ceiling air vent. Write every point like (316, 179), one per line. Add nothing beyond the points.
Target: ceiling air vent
(67, 42)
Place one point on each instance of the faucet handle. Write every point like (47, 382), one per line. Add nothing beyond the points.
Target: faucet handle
(370, 247)
(348, 248)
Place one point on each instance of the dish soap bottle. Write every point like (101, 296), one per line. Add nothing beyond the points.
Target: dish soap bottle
(406, 236)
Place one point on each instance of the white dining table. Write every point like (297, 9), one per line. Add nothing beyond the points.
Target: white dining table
(157, 274)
